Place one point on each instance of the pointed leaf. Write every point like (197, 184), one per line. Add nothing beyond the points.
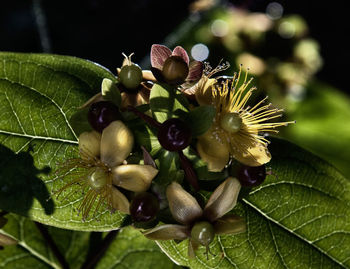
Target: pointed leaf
(38, 94)
(166, 102)
(110, 91)
(297, 218)
(200, 119)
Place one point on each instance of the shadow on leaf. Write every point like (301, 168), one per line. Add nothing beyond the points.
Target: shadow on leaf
(20, 184)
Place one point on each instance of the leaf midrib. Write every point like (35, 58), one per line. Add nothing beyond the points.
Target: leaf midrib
(46, 97)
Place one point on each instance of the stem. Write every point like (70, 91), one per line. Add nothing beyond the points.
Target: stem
(145, 117)
(91, 261)
(190, 175)
(44, 232)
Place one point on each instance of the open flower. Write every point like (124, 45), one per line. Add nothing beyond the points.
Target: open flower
(197, 224)
(237, 129)
(100, 169)
(174, 67)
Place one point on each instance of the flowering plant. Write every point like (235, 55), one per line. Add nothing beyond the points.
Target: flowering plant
(190, 115)
(179, 152)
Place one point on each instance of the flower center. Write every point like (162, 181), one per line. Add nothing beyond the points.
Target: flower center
(231, 122)
(97, 178)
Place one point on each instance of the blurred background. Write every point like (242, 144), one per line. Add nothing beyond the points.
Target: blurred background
(296, 50)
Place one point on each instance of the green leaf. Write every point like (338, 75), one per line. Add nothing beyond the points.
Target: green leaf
(298, 218)
(38, 94)
(200, 119)
(110, 92)
(79, 121)
(132, 250)
(166, 102)
(323, 124)
(32, 250)
(129, 249)
(169, 168)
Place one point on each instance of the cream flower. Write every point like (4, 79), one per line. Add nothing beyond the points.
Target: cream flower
(237, 129)
(100, 169)
(197, 224)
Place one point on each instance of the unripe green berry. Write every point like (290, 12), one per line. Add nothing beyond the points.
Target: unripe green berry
(203, 233)
(231, 122)
(97, 179)
(175, 70)
(130, 76)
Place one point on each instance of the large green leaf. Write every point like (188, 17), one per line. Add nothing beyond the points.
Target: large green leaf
(32, 251)
(323, 124)
(38, 95)
(130, 249)
(298, 218)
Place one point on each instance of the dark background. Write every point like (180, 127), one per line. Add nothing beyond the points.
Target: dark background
(99, 30)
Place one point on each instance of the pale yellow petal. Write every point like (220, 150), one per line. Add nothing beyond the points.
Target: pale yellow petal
(212, 151)
(223, 199)
(230, 224)
(119, 201)
(134, 177)
(148, 75)
(203, 90)
(168, 232)
(116, 143)
(254, 156)
(89, 145)
(183, 206)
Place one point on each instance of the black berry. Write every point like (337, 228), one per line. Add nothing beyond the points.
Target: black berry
(251, 176)
(174, 135)
(144, 207)
(101, 114)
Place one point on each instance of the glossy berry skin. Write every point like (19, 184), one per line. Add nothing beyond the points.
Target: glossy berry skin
(101, 114)
(130, 76)
(144, 207)
(175, 70)
(203, 233)
(174, 135)
(251, 176)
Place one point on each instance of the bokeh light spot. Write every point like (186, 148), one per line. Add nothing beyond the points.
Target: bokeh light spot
(200, 52)
(219, 28)
(274, 11)
(286, 30)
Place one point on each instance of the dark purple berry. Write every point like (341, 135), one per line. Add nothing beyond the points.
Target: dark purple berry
(101, 114)
(174, 135)
(144, 207)
(251, 176)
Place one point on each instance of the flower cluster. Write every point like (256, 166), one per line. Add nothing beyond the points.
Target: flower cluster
(149, 139)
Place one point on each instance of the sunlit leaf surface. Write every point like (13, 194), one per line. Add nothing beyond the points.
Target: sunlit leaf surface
(130, 249)
(298, 218)
(38, 95)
